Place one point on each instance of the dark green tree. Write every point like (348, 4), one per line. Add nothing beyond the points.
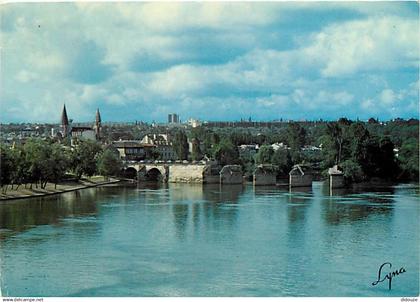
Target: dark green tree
(282, 160)
(109, 164)
(84, 157)
(180, 145)
(264, 155)
(409, 158)
(196, 149)
(226, 153)
(6, 166)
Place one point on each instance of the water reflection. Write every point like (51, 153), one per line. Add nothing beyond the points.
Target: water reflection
(354, 203)
(19, 215)
(176, 239)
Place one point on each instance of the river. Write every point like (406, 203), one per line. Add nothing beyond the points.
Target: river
(193, 240)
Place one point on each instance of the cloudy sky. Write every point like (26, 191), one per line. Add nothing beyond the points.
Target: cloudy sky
(212, 61)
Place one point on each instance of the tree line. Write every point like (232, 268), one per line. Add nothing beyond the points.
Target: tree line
(38, 162)
(362, 150)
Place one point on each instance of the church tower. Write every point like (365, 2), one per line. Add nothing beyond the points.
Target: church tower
(98, 125)
(65, 122)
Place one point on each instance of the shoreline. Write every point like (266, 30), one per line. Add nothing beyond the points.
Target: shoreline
(80, 185)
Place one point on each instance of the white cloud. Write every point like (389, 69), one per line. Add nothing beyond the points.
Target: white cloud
(377, 43)
(322, 73)
(25, 76)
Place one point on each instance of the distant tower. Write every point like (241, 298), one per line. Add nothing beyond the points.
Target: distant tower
(98, 124)
(64, 122)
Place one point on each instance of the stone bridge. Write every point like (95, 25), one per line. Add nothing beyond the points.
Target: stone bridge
(170, 172)
(201, 172)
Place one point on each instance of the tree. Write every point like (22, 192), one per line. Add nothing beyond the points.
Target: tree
(196, 150)
(264, 155)
(58, 164)
(296, 136)
(109, 164)
(359, 137)
(6, 166)
(36, 155)
(282, 160)
(84, 157)
(335, 132)
(352, 171)
(408, 157)
(226, 153)
(386, 161)
(19, 173)
(180, 145)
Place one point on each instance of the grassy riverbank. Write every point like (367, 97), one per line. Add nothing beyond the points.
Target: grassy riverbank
(50, 188)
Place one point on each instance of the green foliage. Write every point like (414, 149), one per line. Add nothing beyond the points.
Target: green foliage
(196, 150)
(352, 171)
(57, 164)
(83, 159)
(264, 155)
(109, 164)
(180, 145)
(282, 160)
(296, 135)
(6, 165)
(409, 158)
(226, 153)
(37, 155)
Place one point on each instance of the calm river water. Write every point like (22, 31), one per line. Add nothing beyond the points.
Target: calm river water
(193, 240)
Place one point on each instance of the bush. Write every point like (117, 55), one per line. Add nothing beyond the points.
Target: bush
(352, 171)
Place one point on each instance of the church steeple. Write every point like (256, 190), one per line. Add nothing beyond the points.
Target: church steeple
(64, 121)
(98, 116)
(98, 124)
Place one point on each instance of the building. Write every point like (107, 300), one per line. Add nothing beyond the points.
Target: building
(248, 150)
(65, 125)
(79, 132)
(173, 118)
(98, 126)
(278, 146)
(86, 133)
(163, 145)
(134, 150)
(194, 123)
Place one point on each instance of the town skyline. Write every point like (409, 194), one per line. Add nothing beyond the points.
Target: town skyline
(210, 61)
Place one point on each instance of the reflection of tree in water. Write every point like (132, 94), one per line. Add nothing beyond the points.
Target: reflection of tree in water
(357, 203)
(220, 211)
(180, 212)
(23, 214)
(298, 204)
(268, 190)
(222, 193)
(203, 204)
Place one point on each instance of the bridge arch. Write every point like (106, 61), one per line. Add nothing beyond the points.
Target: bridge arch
(130, 172)
(154, 174)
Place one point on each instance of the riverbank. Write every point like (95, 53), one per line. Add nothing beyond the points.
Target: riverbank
(50, 189)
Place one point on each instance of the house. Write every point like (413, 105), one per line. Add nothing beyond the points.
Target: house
(245, 150)
(163, 145)
(134, 150)
(277, 146)
(82, 133)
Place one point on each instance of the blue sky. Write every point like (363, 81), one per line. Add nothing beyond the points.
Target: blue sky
(208, 60)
